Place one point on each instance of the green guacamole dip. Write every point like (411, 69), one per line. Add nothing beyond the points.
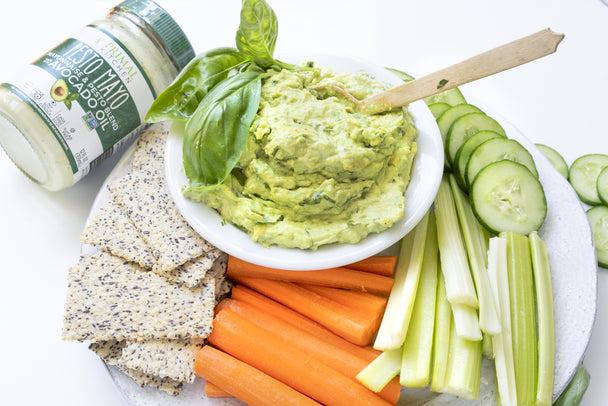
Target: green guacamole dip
(316, 171)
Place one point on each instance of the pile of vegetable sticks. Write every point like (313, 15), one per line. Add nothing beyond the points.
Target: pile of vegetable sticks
(457, 293)
(298, 337)
(460, 293)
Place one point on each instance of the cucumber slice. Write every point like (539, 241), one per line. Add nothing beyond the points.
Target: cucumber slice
(438, 109)
(598, 220)
(583, 175)
(463, 128)
(445, 121)
(506, 196)
(555, 158)
(453, 97)
(406, 77)
(463, 154)
(495, 150)
(602, 186)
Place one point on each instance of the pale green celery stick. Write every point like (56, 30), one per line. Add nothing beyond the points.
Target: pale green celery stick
(458, 280)
(418, 345)
(466, 322)
(380, 371)
(544, 308)
(476, 242)
(501, 342)
(488, 352)
(463, 373)
(523, 317)
(441, 336)
(395, 321)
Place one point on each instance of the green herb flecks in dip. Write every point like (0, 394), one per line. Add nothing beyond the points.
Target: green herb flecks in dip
(314, 170)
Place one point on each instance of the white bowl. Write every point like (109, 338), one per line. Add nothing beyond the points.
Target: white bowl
(426, 175)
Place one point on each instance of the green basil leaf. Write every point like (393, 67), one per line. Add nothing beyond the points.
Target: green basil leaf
(203, 73)
(257, 32)
(217, 133)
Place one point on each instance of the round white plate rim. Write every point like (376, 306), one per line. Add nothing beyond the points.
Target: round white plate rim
(425, 178)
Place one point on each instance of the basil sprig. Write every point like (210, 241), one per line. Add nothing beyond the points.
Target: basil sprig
(218, 94)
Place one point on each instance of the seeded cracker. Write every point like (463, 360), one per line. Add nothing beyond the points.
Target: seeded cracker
(113, 232)
(149, 152)
(111, 299)
(148, 203)
(172, 359)
(111, 351)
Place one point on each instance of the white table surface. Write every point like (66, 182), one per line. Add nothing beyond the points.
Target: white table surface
(559, 100)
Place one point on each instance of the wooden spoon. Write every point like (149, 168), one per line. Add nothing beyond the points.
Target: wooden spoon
(496, 60)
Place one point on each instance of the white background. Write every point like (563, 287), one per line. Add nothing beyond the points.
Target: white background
(559, 100)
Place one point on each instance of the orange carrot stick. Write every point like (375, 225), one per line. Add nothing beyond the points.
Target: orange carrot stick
(335, 277)
(378, 264)
(244, 381)
(265, 351)
(245, 294)
(368, 304)
(334, 356)
(338, 318)
(214, 391)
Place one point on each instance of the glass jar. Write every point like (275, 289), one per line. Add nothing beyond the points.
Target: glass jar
(80, 102)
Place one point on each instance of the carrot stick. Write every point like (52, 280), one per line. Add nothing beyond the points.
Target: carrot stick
(265, 351)
(378, 264)
(245, 294)
(338, 318)
(244, 381)
(214, 391)
(336, 357)
(369, 305)
(335, 277)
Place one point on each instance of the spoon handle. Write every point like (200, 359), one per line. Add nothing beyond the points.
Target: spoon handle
(496, 60)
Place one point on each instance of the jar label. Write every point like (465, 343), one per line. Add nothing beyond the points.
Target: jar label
(90, 92)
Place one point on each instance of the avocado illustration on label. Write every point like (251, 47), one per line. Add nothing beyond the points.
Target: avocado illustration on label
(61, 93)
(59, 90)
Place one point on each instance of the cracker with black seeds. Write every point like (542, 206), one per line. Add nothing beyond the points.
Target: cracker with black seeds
(149, 152)
(109, 298)
(112, 230)
(193, 272)
(111, 352)
(148, 203)
(172, 359)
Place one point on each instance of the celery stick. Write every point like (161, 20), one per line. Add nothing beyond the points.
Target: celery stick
(441, 336)
(418, 345)
(463, 373)
(501, 342)
(486, 346)
(544, 306)
(523, 317)
(466, 322)
(380, 371)
(393, 327)
(477, 247)
(454, 262)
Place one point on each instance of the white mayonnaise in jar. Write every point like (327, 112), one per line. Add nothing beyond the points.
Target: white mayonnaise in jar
(80, 102)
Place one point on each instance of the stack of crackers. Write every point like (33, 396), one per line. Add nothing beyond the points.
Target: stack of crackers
(145, 300)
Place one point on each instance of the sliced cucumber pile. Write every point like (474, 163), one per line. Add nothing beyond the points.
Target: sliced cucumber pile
(498, 173)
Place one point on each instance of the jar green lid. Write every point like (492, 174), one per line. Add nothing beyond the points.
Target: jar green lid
(169, 32)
